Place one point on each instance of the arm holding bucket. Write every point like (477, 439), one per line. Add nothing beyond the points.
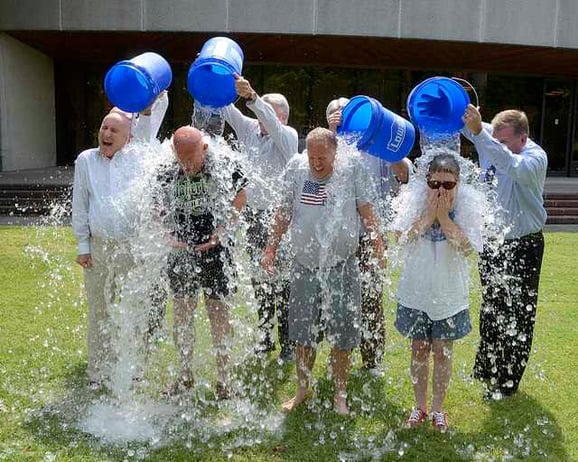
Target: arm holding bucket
(272, 111)
(526, 168)
(241, 124)
(285, 137)
(150, 119)
(158, 111)
(80, 212)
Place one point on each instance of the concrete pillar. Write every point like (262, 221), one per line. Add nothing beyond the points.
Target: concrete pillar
(27, 108)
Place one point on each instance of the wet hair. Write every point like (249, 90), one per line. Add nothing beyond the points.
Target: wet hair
(322, 134)
(444, 163)
(512, 118)
(278, 100)
(334, 105)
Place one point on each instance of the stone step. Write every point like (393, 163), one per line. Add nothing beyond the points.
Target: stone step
(560, 203)
(34, 210)
(568, 211)
(562, 220)
(31, 199)
(561, 196)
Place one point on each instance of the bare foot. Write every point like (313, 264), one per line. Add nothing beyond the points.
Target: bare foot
(340, 404)
(292, 404)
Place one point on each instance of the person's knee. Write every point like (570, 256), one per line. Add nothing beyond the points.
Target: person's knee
(442, 350)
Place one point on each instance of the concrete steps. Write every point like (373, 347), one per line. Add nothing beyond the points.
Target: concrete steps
(32, 200)
(562, 208)
(38, 199)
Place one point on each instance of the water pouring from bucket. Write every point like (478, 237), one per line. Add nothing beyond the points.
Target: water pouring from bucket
(211, 78)
(377, 130)
(132, 85)
(437, 105)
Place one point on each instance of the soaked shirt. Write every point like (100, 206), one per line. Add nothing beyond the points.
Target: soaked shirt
(108, 194)
(267, 155)
(194, 205)
(325, 223)
(518, 178)
(435, 277)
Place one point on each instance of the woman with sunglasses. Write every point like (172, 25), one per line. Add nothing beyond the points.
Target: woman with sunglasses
(433, 293)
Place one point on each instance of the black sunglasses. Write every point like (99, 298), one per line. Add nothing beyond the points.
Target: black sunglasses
(447, 185)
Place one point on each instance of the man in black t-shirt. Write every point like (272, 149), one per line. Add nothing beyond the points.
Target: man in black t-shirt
(202, 196)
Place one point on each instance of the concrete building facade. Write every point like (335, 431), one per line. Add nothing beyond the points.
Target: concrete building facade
(54, 53)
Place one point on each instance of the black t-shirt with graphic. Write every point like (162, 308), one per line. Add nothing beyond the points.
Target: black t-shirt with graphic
(194, 205)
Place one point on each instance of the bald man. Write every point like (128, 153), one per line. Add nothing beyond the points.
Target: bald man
(100, 176)
(202, 195)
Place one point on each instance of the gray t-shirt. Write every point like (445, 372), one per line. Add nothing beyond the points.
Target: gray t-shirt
(325, 223)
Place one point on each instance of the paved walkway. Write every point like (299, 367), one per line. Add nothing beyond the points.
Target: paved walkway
(65, 176)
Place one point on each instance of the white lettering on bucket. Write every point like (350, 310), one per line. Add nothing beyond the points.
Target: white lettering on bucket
(397, 135)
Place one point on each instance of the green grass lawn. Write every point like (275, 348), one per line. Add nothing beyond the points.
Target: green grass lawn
(43, 395)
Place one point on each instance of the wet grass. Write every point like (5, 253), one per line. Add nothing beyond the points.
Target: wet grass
(43, 393)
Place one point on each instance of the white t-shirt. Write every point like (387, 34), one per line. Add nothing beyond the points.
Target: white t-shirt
(435, 276)
(325, 221)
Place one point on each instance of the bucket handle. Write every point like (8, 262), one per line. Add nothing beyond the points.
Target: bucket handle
(471, 86)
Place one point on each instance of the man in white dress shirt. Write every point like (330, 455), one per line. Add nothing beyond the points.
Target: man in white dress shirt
(268, 143)
(106, 209)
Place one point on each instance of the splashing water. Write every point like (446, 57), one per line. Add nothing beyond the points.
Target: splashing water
(134, 411)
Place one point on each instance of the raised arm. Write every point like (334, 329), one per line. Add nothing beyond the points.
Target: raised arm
(149, 121)
(80, 212)
(525, 169)
(284, 137)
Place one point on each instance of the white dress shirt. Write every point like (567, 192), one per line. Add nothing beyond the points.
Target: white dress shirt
(519, 181)
(106, 195)
(267, 154)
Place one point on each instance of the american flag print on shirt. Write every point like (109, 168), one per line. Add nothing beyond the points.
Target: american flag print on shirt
(313, 193)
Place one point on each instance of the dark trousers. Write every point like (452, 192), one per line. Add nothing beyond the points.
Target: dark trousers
(272, 295)
(372, 318)
(510, 275)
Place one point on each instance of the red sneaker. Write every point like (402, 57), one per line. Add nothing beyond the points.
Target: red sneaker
(416, 418)
(439, 421)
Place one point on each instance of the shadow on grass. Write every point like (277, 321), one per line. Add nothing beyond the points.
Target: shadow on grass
(513, 429)
(517, 428)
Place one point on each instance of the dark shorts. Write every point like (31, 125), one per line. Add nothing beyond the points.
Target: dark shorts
(325, 304)
(417, 325)
(189, 272)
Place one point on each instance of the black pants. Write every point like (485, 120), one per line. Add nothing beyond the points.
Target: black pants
(272, 295)
(510, 276)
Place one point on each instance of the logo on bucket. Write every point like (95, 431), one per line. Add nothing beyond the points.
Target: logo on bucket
(397, 134)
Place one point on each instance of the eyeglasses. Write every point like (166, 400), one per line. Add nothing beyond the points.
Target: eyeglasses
(447, 185)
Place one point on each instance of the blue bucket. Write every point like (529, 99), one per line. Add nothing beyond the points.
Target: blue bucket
(378, 131)
(437, 105)
(133, 85)
(211, 79)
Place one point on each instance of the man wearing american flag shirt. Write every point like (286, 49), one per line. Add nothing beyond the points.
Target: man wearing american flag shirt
(325, 197)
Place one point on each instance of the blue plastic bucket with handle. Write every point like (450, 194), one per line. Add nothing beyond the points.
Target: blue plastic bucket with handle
(378, 131)
(211, 79)
(437, 105)
(133, 84)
